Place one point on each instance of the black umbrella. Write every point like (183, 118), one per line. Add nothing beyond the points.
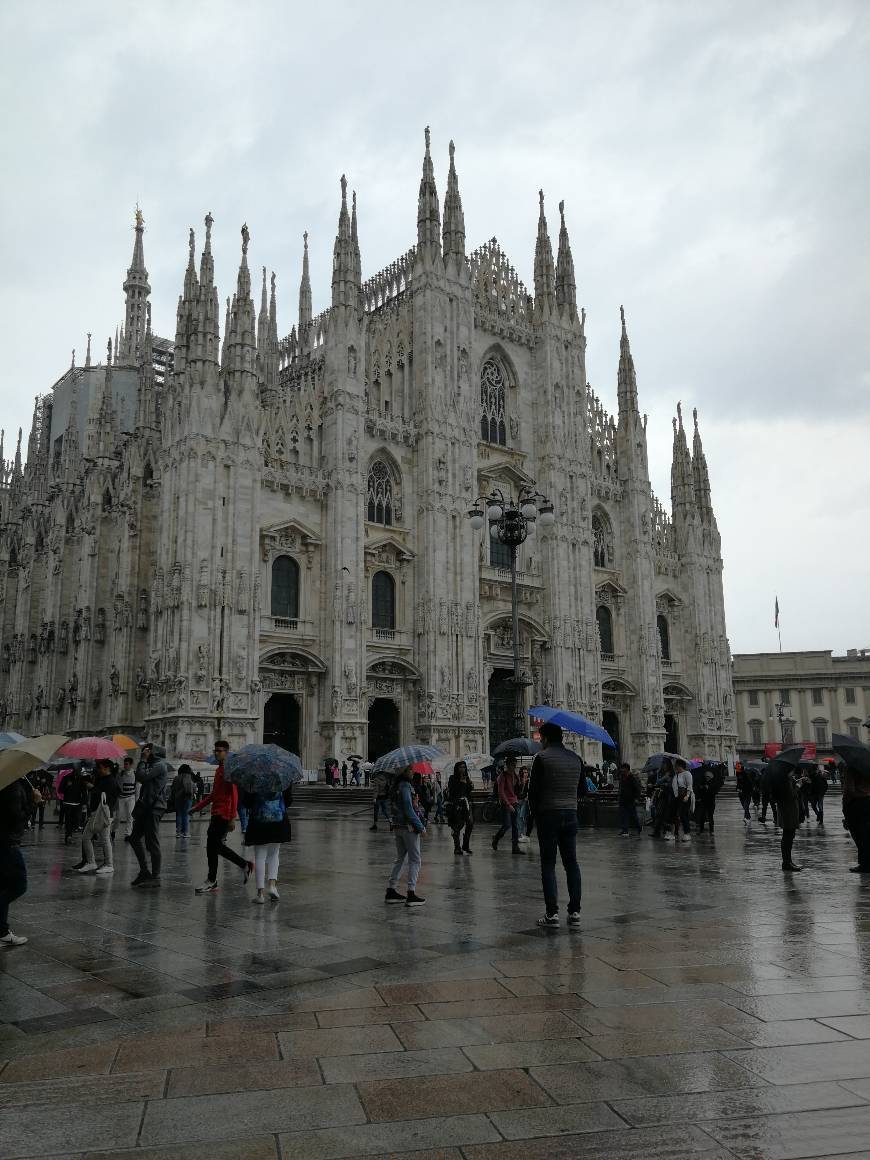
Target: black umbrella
(855, 753)
(779, 768)
(657, 760)
(520, 746)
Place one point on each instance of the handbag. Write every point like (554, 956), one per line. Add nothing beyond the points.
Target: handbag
(102, 815)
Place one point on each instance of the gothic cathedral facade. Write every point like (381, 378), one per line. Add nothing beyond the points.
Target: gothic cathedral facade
(259, 537)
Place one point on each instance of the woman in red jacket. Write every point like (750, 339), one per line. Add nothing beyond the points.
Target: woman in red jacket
(224, 801)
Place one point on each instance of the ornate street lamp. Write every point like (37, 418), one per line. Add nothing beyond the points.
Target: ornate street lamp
(511, 520)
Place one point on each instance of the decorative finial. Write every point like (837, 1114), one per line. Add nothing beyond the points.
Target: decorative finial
(541, 199)
(674, 421)
(191, 243)
(562, 210)
(452, 149)
(88, 352)
(272, 283)
(305, 239)
(264, 277)
(343, 190)
(695, 416)
(73, 363)
(109, 353)
(426, 134)
(209, 222)
(246, 237)
(680, 414)
(622, 317)
(140, 220)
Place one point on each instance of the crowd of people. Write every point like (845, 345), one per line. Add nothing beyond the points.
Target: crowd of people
(671, 799)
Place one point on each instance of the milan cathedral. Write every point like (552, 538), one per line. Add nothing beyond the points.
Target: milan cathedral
(242, 535)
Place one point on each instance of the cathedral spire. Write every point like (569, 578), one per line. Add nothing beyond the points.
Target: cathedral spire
(273, 311)
(206, 262)
(16, 465)
(263, 320)
(700, 473)
(428, 212)
(88, 351)
(454, 219)
(545, 275)
(304, 288)
(626, 377)
(202, 335)
(354, 237)
(682, 489)
(566, 286)
(344, 288)
(136, 290)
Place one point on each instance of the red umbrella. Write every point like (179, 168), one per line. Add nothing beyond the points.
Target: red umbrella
(422, 767)
(92, 749)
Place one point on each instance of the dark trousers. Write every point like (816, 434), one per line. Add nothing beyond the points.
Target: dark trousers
(13, 882)
(818, 805)
(215, 847)
(745, 799)
(557, 833)
(765, 802)
(466, 836)
(704, 812)
(382, 806)
(508, 818)
(627, 816)
(146, 833)
(785, 845)
(857, 817)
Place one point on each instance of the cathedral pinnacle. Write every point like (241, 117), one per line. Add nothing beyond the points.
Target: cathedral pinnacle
(454, 219)
(88, 351)
(545, 275)
(566, 286)
(700, 473)
(626, 378)
(354, 237)
(344, 286)
(304, 288)
(136, 291)
(428, 211)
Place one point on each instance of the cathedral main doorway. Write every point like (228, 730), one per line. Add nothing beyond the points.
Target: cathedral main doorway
(501, 707)
(672, 734)
(383, 727)
(281, 722)
(610, 721)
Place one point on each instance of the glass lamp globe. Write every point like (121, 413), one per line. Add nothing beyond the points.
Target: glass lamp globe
(530, 527)
(530, 512)
(475, 517)
(547, 516)
(494, 512)
(493, 531)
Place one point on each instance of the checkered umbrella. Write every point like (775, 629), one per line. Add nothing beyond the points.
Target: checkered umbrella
(263, 769)
(406, 755)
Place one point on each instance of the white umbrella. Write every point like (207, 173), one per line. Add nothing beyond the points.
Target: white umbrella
(474, 761)
(19, 759)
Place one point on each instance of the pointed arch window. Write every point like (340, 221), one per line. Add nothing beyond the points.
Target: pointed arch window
(383, 601)
(664, 636)
(285, 588)
(605, 629)
(602, 541)
(493, 425)
(380, 494)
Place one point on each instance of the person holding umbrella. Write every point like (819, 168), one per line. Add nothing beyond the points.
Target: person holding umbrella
(265, 775)
(507, 795)
(224, 801)
(102, 791)
(152, 774)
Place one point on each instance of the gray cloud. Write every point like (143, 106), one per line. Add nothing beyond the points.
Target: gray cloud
(712, 158)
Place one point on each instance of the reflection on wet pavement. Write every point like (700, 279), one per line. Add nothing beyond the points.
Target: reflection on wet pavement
(708, 1005)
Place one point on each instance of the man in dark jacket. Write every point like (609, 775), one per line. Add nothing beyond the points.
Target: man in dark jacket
(16, 802)
(630, 794)
(555, 783)
(152, 774)
(708, 780)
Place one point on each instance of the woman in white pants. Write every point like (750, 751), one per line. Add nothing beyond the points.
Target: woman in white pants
(268, 829)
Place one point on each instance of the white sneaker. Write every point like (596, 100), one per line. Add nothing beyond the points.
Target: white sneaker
(258, 900)
(105, 871)
(668, 837)
(686, 838)
(88, 868)
(13, 940)
(273, 893)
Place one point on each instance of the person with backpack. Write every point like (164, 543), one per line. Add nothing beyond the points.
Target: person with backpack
(102, 797)
(408, 828)
(268, 829)
(181, 795)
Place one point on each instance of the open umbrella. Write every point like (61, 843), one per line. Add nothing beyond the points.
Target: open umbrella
(92, 749)
(519, 746)
(18, 760)
(779, 768)
(424, 768)
(855, 753)
(125, 742)
(404, 756)
(573, 722)
(476, 761)
(7, 739)
(263, 769)
(354, 757)
(656, 760)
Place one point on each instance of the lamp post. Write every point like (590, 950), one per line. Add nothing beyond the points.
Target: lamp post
(780, 710)
(511, 520)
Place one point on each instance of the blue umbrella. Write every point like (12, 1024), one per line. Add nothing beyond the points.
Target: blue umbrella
(263, 769)
(573, 722)
(406, 755)
(7, 739)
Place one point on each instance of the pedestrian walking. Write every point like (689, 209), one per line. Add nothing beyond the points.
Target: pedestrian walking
(103, 796)
(856, 814)
(71, 791)
(382, 793)
(268, 829)
(707, 780)
(554, 785)
(152, 774)
(460, 814)
(354, 772)
(182, 795)
(681, 784)
(408, 829)
(224, 802)
(16, 802)
(630, 794)
(507, 795)
(745, 789)
(662, 803)
(127, 791)
(344, 774)
(818, 790)
(788, 808)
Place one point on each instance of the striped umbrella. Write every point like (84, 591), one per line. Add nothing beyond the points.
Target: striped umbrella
(404, 756)
(7, 739)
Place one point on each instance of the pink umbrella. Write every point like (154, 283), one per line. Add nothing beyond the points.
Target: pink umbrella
(92, 749)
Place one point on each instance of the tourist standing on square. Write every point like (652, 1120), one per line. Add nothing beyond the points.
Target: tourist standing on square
(556, 782)
(460, 816)
(681, 786)
(224, 802)
(507, 795)
(103, 796)
(408, 829)
(16, 802)
(789, 812)
(629, 795)
(127, 790)
(182, 795)
(152, 774)
(818, 789)
(381, 806)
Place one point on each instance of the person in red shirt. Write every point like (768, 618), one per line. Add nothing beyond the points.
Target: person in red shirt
(507, 795)
(224, 801)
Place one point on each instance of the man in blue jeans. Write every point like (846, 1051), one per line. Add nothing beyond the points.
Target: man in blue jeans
(408, 827)
(555, 783)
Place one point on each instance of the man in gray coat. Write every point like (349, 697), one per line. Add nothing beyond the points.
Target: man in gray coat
(152, 774)
(555, 782)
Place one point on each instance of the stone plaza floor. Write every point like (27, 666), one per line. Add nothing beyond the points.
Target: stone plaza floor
(708, 1006)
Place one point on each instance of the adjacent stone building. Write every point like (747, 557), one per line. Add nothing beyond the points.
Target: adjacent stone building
(241, 534)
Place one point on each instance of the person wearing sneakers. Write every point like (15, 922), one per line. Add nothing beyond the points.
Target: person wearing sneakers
(556, 781)
(224, 801)
(16, 802)
(268, 829)
(127, 789)
(152, 774)
(103, 796)
(407, 829)
(507, 795)
(681, 786)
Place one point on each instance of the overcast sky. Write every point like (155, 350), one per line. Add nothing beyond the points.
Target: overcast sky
(713, 158)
